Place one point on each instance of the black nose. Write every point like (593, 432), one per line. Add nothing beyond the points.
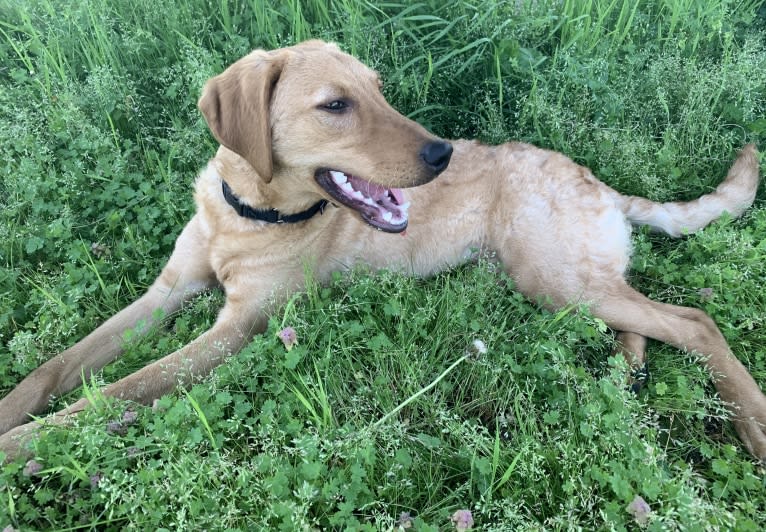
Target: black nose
(436, 155)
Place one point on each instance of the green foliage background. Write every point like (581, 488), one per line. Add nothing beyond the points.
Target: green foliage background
(100, 140)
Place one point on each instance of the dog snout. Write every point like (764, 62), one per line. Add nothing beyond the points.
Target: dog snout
(436, 155)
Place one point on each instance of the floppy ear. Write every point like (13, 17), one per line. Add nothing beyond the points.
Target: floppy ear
(235, 105)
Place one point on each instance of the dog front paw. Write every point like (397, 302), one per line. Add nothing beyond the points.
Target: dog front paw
(748, 408)
(15, 442)
(752, 432)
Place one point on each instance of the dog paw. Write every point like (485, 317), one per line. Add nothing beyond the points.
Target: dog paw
(15, 442)
(639, 378)
(752, 432)
(747, 405)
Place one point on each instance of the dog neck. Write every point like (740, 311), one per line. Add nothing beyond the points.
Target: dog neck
(270, 215)
(252, 197)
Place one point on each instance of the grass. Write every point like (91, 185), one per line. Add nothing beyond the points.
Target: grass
(377, 419)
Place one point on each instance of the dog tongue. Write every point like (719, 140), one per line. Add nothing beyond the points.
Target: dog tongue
(398, 195)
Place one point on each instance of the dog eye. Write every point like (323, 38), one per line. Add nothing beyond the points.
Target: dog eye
(336, 106)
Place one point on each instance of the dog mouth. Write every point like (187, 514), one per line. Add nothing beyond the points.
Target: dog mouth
(382, 208)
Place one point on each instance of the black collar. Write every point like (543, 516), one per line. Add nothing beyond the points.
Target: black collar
(271, 216)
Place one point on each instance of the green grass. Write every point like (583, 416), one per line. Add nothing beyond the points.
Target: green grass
(377, 411)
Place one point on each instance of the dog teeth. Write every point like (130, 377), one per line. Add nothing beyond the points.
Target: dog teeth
(387, 217)
(369, 201)
(357, 195)
(338, 177)
(347, 187)
(405, 206)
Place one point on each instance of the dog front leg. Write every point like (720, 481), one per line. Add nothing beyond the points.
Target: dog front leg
(233, 329)
(186, 274)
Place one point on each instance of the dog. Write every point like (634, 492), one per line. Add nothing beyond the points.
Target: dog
(314, 166)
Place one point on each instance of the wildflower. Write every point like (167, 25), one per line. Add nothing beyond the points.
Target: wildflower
(405, 521)
(32, 468)
(288, 337)
(463, 520)
(705, 294)
(129, 417)
(99, 250)
(640, 510)
(477, 348)
(95, 480)
(116, 427)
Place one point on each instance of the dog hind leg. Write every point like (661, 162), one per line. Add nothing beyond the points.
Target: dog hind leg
(632, 347)
(694, 331)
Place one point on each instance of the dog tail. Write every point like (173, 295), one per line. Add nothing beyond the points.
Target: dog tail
(735, 194)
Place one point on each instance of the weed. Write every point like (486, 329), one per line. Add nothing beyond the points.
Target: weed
(383, 414)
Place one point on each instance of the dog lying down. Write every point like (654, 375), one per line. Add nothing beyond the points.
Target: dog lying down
(314, 165)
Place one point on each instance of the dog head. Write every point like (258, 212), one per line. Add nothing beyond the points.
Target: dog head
(312, 119)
